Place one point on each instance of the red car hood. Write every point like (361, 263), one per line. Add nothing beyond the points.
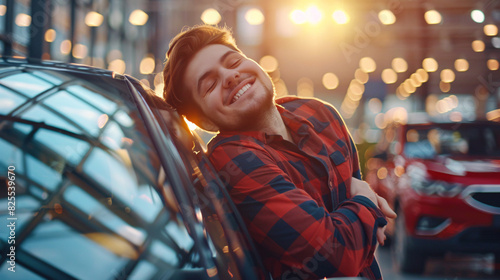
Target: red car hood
(479, 168)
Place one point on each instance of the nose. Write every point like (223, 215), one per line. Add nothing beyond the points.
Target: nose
(231, 78)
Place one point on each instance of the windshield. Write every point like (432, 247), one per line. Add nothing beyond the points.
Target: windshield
(476, 140)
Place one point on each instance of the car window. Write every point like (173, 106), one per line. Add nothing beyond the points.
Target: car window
(86, 181)
(478, 139)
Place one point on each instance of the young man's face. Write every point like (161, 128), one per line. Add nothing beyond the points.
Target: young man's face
(232, 90)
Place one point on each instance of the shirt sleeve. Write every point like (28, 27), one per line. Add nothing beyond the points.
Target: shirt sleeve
(288, 224)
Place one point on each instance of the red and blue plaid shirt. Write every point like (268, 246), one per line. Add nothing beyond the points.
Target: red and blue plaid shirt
(295, 197)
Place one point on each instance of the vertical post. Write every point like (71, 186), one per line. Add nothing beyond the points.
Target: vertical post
(9, 26)
(72, 29)
(40, 18)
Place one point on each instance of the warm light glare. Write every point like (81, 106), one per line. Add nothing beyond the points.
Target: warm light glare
(389, 76)
(432, 17)
(492, 64)
(477, 16)
(147, 65)
(254, 16)
(461, 65)
(50, 35)
(190, 125)
(23, 20)
(490, 30)
(313, 15)
(138, 17)
(340, 17)
(298, 17)
(269, 63)
(330, 81)
(430, 64)
(447, 75)
(118, 66)
(93, 19)
(3, 9)
(478, 46)
(399, 65)
(65, 47)
(386, 17)
(80, 51)
(367, 64)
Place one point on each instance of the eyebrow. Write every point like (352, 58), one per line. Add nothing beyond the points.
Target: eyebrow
(208, 73)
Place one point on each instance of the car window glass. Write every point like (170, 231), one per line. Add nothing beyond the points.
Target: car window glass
(87, 195)
(105, 105)
(77, 111)
(9, 100)
(26, 84)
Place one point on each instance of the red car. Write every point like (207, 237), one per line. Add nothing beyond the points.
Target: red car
(443, 180)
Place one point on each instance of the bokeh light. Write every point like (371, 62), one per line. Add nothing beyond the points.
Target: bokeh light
(147, 65)
(433, 17)
(269, 63)
(490, 30)
(422, 75)
(313, 15)
(93, 19)
(389, 76)
(50, 35)
(399, 65)
(298, 17)
(138, 17)
(478, 46)
(461, 65)
(477, 16)
(23, 20)
(330, 81)
(340, 17)
(361, 76)
(430, 64)
(254, 16)
(386, 17)
(367, 64)
(447, 75)
(492, 64)
(211, 16)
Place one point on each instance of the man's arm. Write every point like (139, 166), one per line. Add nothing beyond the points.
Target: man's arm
(288, 223)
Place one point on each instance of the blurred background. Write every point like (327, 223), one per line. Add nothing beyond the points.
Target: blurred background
(375, 60)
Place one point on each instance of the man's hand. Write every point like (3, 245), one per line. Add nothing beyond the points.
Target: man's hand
(359, 187)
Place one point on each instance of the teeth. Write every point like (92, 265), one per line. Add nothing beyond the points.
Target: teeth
(240, 93)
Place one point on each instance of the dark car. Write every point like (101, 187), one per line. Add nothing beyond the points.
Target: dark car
(443, 180)
(99, 180)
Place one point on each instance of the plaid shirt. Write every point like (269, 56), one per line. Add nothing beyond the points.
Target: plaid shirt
(295, 198)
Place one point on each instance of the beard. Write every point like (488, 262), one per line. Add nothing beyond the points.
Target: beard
(252, 119)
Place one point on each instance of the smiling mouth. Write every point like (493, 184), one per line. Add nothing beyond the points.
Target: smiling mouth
(240, 93)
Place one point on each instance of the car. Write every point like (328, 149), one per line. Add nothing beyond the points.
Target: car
(101, 180)
(443, 181)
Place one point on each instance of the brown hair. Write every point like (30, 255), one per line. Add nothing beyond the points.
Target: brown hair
(181, 50)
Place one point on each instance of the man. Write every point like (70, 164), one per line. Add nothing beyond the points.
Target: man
(294, 171)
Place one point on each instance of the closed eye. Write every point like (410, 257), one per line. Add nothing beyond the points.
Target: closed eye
(211, 87)
(235, 63)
